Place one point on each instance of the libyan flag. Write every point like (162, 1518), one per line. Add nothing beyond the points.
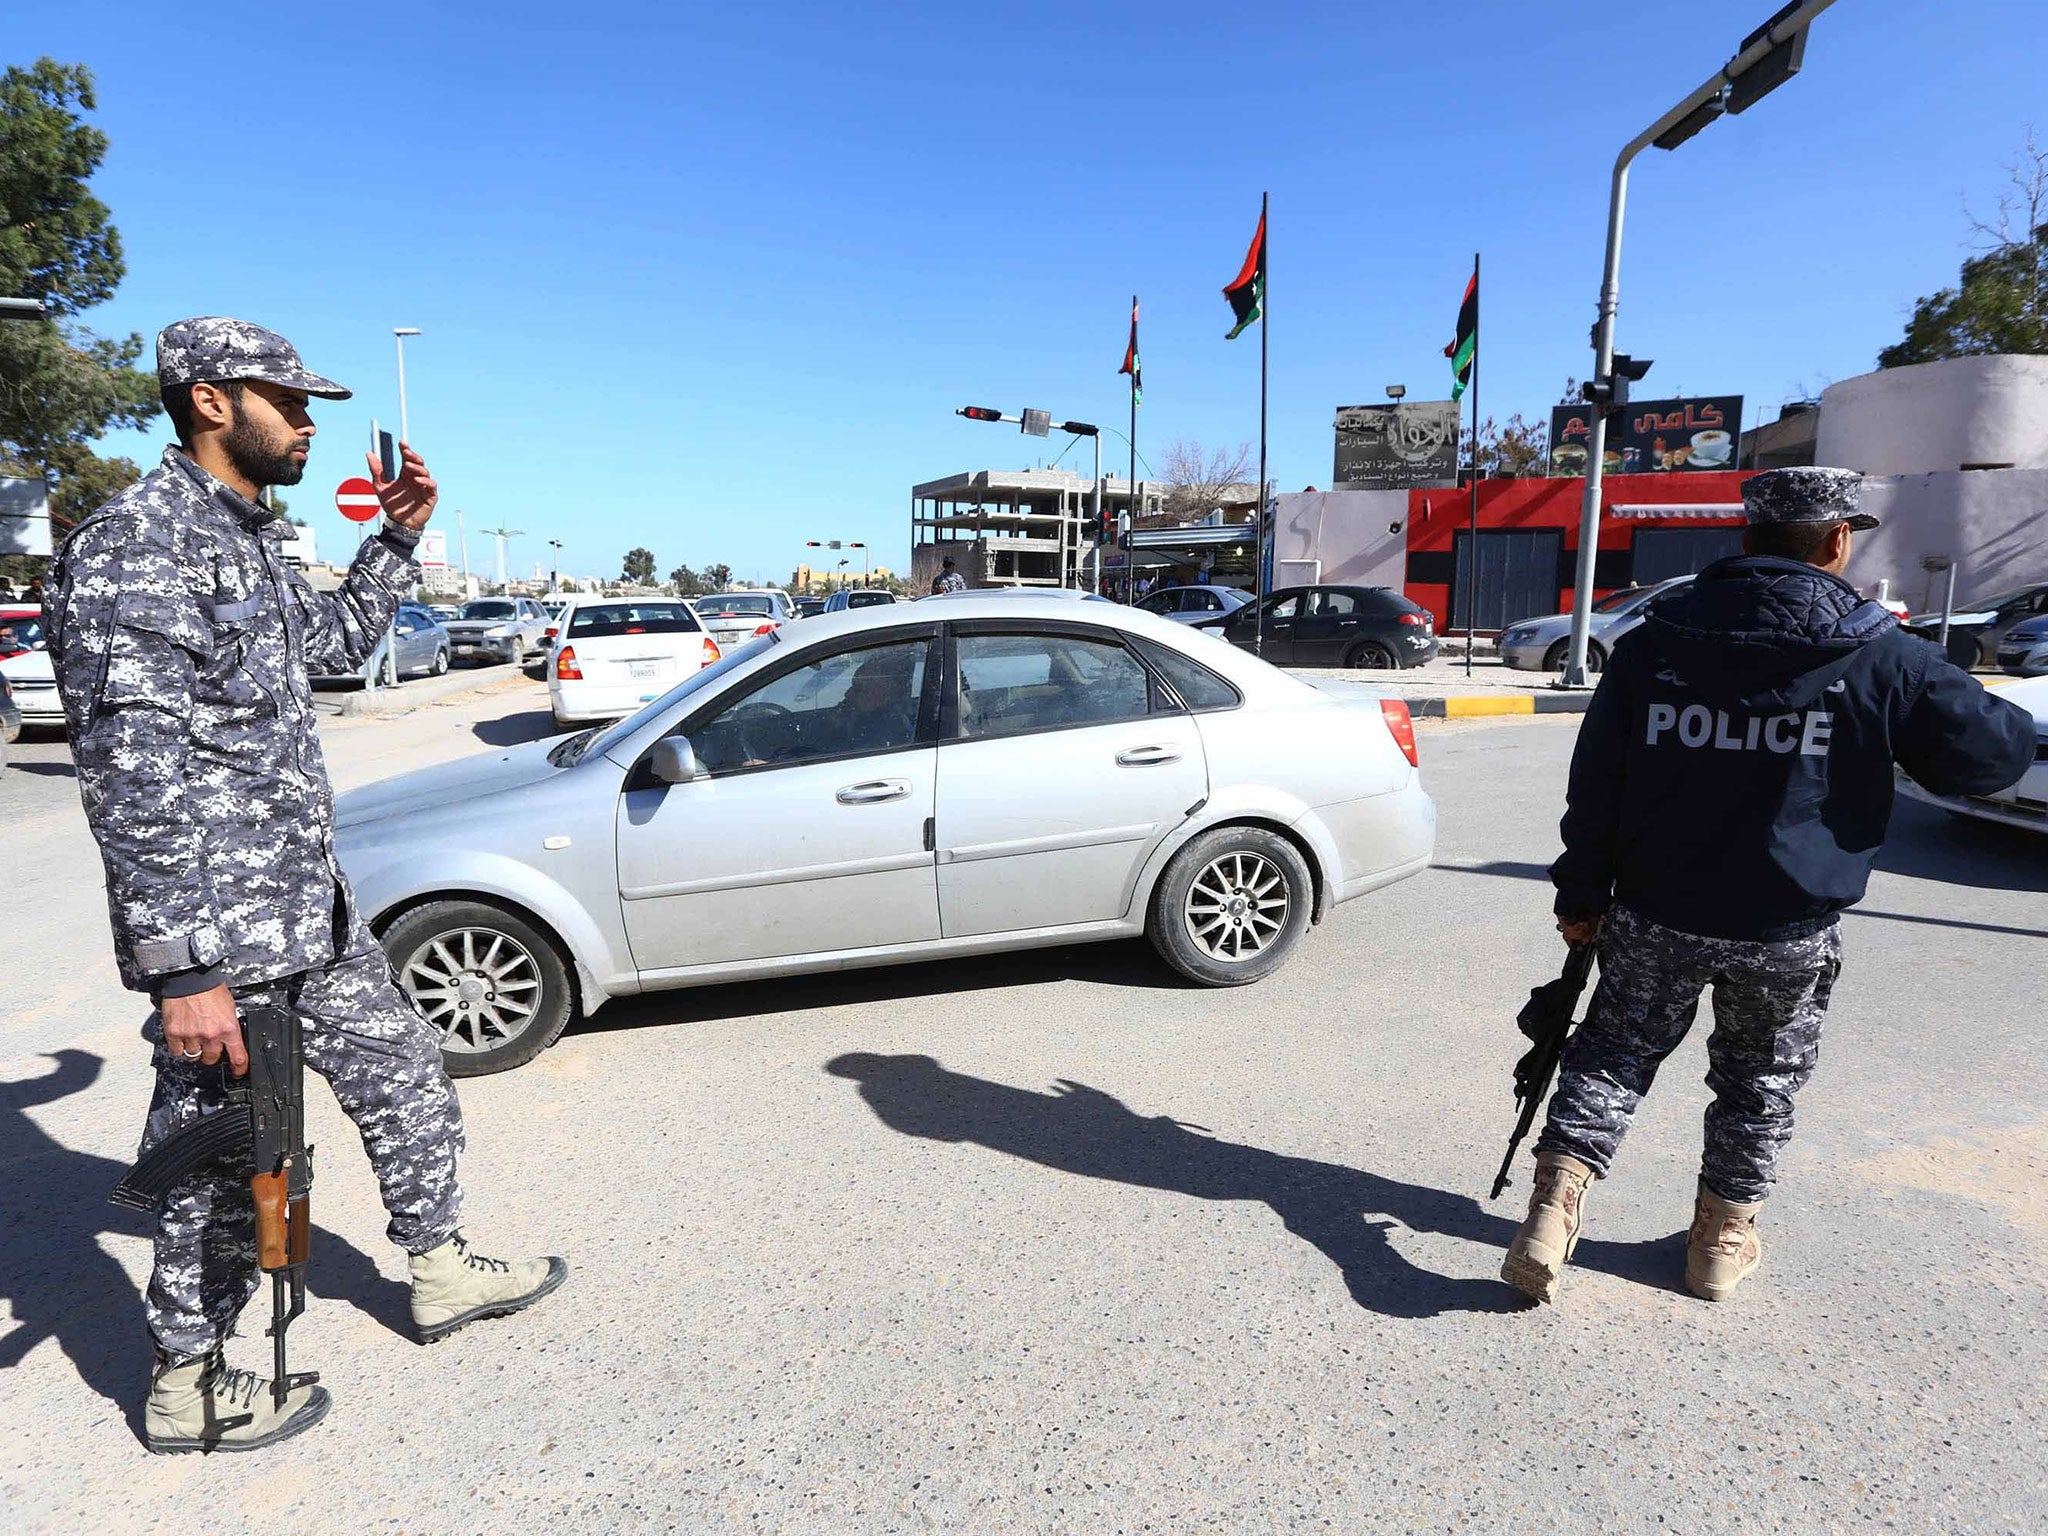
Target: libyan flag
(1131, 364)
(1464, 346)
(1247, 292)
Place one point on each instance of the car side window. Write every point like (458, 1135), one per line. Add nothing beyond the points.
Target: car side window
(1198, 687)
(848, 704)
(1335, 605)
(1285, 608)
(1010, 684)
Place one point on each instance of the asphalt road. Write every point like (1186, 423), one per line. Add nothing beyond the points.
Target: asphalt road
(1053, 1243)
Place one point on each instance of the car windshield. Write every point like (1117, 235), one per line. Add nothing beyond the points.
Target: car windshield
(1614, 602)
(745, 602)
(487, 610)
(633, 619)
(2000, 600)
(604, 740)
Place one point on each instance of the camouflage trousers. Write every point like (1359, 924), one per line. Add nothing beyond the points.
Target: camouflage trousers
(383, 1062)
(1769, 999)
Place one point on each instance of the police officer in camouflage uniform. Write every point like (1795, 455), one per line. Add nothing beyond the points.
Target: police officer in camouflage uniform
(1731, 785)
(182, 642)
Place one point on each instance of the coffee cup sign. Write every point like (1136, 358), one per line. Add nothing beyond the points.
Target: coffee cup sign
(1651, 436)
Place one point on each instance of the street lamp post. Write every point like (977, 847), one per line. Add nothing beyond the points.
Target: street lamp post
(555, 570)
(1768, 57)
(399, 333)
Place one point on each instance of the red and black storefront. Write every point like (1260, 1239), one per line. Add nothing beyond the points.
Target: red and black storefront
(1652, 527)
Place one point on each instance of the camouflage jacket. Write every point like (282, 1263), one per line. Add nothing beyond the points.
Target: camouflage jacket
(181, 642)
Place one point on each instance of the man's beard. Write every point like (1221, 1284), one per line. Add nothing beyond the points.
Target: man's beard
(258, 461)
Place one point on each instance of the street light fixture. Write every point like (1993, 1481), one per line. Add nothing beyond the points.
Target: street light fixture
(1038, 424)
(1396, 391)
(21, 309)
(1768, 57)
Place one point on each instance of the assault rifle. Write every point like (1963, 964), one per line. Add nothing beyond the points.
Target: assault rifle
(260, 1131)
(1547, 1020)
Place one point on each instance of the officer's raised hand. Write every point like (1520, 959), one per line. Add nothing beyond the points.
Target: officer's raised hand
(408, 500)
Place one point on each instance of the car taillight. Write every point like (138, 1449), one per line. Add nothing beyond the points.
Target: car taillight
(1402, 727)
(1415, 618)
(552, 632)
(565, 665)
(710, 650)
(767, 629)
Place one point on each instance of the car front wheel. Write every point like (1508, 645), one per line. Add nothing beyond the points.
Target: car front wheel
(494, 985)
(1554, 658)
(440, 667)
(1231, 906)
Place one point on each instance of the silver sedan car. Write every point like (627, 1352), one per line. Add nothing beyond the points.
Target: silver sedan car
(1539, 645)
(889, 784)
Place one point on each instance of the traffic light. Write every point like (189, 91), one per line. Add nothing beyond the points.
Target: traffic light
(979, 413)
(1609, 393)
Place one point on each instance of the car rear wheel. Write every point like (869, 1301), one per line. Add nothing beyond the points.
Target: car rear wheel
(1963, 650)
(494, 985)
(1371, 654)
(1231, 906)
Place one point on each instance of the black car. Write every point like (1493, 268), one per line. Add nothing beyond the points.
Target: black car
(1373, 627)
(1976, 627)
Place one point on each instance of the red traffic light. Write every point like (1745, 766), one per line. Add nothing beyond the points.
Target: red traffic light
(979, 413)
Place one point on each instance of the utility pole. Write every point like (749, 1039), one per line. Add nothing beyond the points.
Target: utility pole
(1768, 57)
(400, 332)
(555, 571)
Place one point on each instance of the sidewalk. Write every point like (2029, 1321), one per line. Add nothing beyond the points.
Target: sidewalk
(414, 692)
(1441, 690)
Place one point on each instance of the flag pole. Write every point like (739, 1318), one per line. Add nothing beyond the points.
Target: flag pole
(1129, 574)
(1472, 564)
(1259, 514)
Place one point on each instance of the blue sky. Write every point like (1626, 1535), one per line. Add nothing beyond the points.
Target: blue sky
(712, 279)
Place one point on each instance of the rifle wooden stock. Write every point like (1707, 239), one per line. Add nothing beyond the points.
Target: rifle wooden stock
(272, 1246)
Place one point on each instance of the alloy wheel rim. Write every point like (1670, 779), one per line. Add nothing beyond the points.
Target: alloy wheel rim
(480, 987)
(1237, 906)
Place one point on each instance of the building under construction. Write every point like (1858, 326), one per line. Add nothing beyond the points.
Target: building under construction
(1018, 528)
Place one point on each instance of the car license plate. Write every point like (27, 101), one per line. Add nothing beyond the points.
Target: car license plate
(643, 671)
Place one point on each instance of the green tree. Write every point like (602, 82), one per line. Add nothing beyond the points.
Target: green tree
(63, 385)
(717, 577)
(2000, 303)
(688, 583)
(639, 567)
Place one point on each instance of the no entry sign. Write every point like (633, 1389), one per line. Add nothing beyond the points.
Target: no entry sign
(356, 500)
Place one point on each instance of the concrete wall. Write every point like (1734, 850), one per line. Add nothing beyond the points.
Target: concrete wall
(1360, 537)
(1993, 523)
(1938, 416)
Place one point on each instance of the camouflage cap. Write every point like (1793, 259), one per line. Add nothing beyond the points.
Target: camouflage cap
(1806, 494)
(211, 348)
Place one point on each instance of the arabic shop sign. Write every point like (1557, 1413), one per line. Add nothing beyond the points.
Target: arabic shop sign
(1409, 446)
(1651, 436)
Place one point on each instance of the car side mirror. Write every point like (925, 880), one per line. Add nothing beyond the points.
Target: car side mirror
(674, 761)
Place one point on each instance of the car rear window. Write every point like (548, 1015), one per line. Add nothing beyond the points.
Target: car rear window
(746, 603)
(633, 619)
(868, 599)
(492, 610)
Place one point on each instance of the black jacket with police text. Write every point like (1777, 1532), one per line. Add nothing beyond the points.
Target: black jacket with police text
(1733, 776)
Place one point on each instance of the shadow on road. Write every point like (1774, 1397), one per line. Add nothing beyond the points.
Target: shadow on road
(1346, 1213)
(1929, 844)
(1117, 964)
(46, 770)
(515, 730)
(61, 1283)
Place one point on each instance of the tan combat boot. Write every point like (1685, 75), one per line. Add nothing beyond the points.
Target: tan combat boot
(1722, 1250)
(1557, 1209)
(203, 1406)
(453, 1285)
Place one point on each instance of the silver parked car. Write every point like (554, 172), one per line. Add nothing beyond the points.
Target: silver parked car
(1539, 645)
(884, 785)
(1192, 605)
(734, 618)
(499, 629)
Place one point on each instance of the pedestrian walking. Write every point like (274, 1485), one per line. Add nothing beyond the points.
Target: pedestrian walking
(182, 641)
(949, 579)
(1731, 786)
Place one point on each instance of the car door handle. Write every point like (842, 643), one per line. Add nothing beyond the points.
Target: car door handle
(1145, 757)
(874, 792)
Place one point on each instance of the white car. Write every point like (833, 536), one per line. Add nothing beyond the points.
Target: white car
(734, 618)
(2024, 804)
(616, 654)
(1540, 645)
(25, 663)
(1193, 605)
(892, 784)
